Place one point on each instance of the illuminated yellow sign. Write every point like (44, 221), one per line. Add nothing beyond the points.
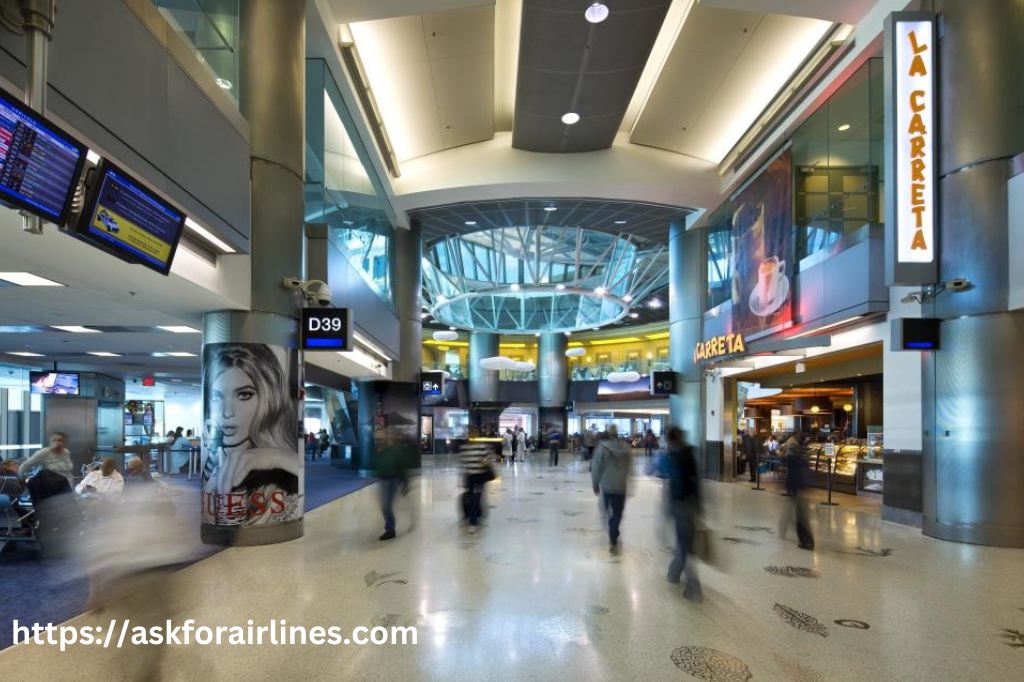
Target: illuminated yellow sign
(717, 346)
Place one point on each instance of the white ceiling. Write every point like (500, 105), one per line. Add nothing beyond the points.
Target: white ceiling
(725, 67)
(432, 76)
(348, 11)
(843, 11)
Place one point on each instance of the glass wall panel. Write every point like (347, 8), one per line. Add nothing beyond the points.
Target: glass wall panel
(211, 28)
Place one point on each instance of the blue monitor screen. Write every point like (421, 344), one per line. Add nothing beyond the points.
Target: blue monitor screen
(124, 217)
(39, 164)
(53, 383)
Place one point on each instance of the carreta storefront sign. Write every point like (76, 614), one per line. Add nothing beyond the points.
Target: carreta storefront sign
(911, 51)
(717, 346)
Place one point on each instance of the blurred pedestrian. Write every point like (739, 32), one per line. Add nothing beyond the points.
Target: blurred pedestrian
(521, 445)
(650, 443)
(796, 480)
(554, 443)
(506, 445)
(393, 465)
(589, 442)
(476, 470)
(610, 473)
(56, 458)
(683, 505)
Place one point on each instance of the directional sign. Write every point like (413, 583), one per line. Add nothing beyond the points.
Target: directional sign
(663, 383)
(431, 383)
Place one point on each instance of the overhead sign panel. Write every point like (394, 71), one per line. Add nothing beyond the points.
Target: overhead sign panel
(911, 216)
(39, 163)
(431, 383)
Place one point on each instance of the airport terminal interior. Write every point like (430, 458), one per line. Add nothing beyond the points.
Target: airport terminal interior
(518, 339)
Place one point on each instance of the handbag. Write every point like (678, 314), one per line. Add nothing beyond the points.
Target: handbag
(489, 475)
(702, 544)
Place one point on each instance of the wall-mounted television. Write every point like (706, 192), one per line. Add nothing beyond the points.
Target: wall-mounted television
(53, 383)
(129, 221)
(39, 163)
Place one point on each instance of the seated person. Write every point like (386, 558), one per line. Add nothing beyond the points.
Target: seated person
(180, 449)
(12, 486)
(106, 481)
(137, 472)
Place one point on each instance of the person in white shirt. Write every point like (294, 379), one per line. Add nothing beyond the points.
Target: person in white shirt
(106, 481)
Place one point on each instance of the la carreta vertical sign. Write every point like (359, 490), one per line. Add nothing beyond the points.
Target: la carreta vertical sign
(910, 154)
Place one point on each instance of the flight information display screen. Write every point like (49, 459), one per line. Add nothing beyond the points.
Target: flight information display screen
(127, 219)
(39, 163)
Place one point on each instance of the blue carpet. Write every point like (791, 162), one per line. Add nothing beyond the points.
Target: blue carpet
(34, 589)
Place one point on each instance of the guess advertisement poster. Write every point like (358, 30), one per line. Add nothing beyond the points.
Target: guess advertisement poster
(762, 232)
(252, 459)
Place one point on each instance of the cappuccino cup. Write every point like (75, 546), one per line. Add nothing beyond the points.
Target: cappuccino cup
(769, 278)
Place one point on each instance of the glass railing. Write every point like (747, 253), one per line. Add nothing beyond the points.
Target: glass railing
(455, 372)
(211, 28)
(577, 371)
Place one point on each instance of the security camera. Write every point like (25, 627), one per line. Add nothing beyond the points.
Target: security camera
(318, 292)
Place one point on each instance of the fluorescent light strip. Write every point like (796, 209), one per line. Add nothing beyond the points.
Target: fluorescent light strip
(25, 354)
(103, 354)
(75, 329)
(208, 236)
(27, 279)
(827, 327)
(181, 354)
(370, 346)
(178, 329)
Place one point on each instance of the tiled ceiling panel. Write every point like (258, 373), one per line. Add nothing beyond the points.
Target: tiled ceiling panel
(567, 64)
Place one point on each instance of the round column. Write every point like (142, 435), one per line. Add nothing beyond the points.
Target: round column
(253, 466)
(685, 320)
(552, 373)
(408, 286)
(483, 383)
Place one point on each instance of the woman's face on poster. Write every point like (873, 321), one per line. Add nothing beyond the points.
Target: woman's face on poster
(233, 404)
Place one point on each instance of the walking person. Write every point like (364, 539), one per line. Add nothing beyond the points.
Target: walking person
(520, 451)
(650, 443)
(610, 473)
(753, 452)
(683, 505)
(506, 446)
(589, 442)
(476, 472)
(554, 443)
(393, 464)
(796, 480)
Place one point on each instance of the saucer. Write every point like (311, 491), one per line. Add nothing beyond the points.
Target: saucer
(764, 309)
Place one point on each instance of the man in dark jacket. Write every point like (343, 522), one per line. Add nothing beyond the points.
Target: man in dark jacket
(393, 464)
(613, 461)
(796, 479)
(683, 492)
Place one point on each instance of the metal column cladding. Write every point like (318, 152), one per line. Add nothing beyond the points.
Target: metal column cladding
(483, 383)
(408, 287)
(687, 286)
(552, 372)
(252, 454)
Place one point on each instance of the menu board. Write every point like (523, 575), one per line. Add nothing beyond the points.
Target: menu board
(39, 164)
(127, 219)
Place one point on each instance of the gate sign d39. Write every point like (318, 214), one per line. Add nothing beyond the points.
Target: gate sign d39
(910, 152)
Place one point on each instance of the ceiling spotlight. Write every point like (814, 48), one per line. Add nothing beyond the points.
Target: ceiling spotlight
(627, 298)
(596, 13)
(654, 303)
(537, 334)
(451, 328)
(470, 223)
(550, 208)
(570, 118)
(560, 287)
(514, 287)
(600, 291)
(620, 222)
(568, 333)
(634, 315)
(843, 128)
(441, 298)
(225, 84)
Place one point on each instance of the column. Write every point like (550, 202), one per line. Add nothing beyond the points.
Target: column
(552, 373)
(973, 468)
(252, 472)
(687, 286)
(483, 383)
(408, 285)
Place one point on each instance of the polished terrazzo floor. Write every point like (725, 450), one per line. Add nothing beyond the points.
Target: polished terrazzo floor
(535, 595)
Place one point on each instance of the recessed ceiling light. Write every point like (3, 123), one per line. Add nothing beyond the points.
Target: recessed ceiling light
(600, 291)
(181, 354)
(568, 333)
(27, 279)
(634, 315)
(550, 208)
(570, 118)
(627, 298)
(470, 223)
(596, 13)
(451, 329)
(103, 354)
(179, 329)
(620, 222)
(654, 303)
(225, 84)
(514, 287)
(159, 355)
(560, 287)
(75, 329)
(25, 354)
(843, 128)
